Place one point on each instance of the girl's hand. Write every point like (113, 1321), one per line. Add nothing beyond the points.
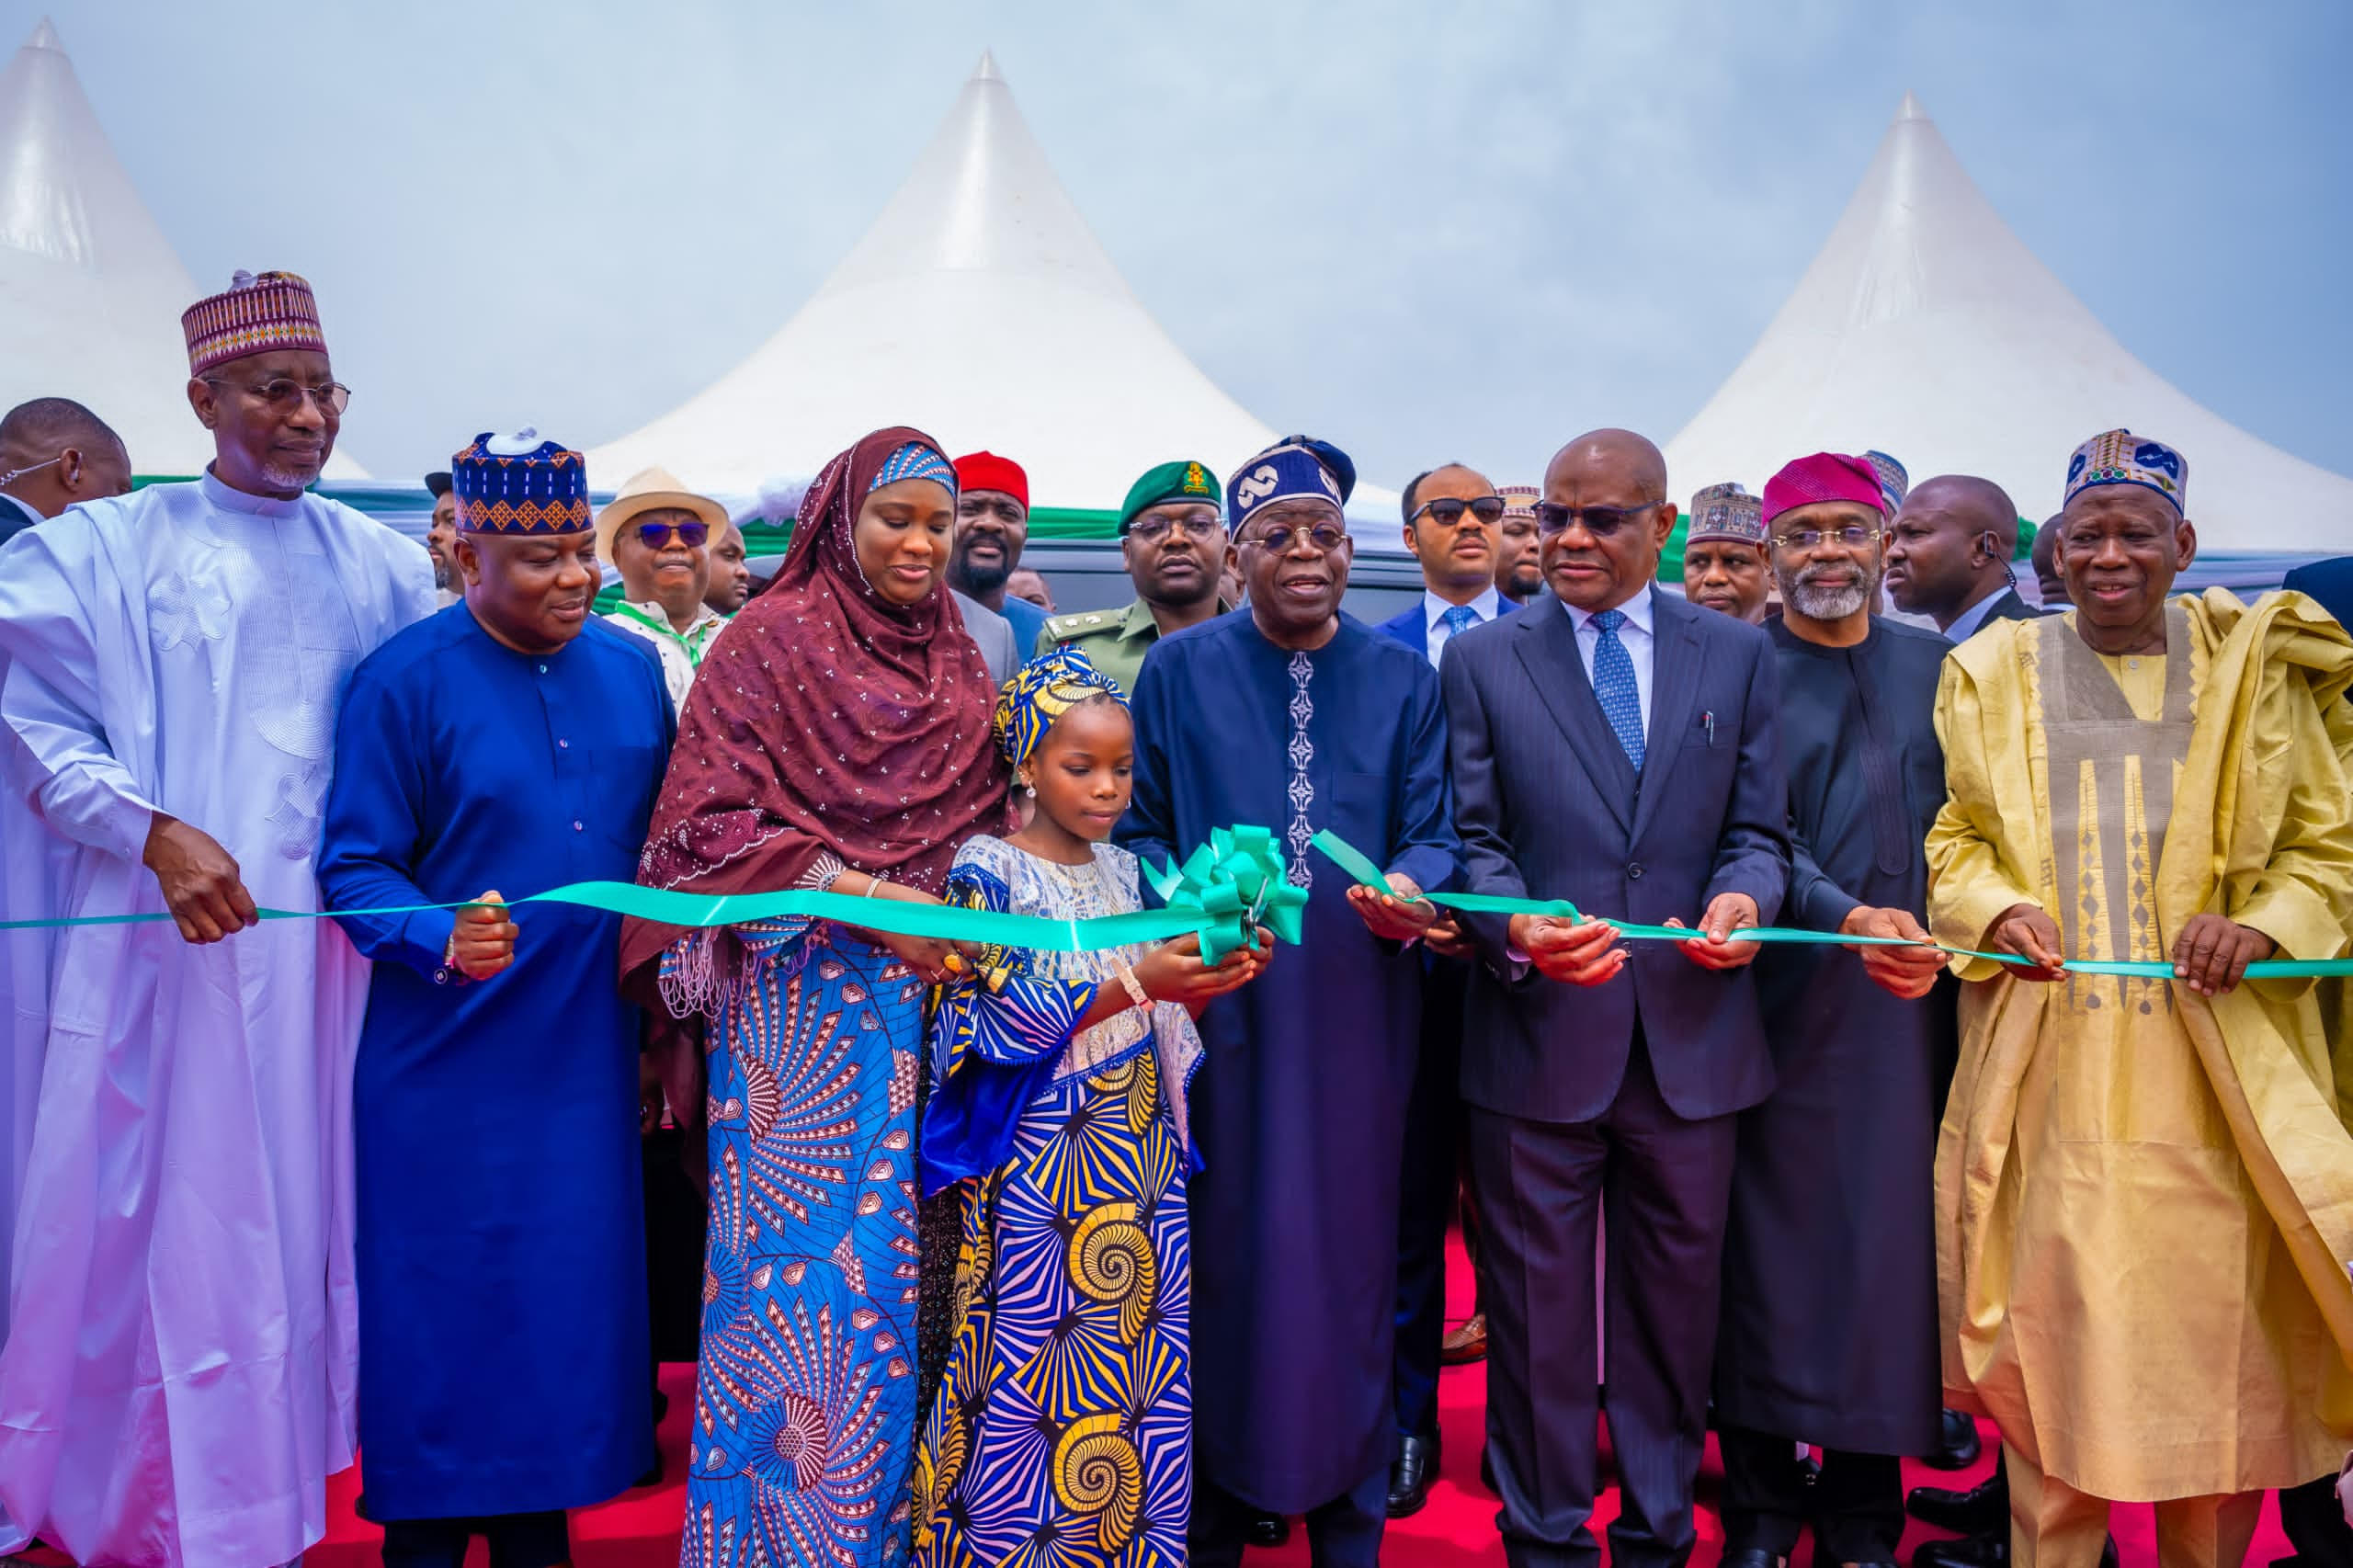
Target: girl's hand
(1174, 971)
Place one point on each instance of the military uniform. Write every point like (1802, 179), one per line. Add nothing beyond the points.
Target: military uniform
(1115, 640)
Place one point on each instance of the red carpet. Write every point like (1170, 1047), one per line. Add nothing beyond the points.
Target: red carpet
(1457, 1529)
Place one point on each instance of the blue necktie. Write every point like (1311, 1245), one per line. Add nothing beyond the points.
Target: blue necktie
(1458, 620)
(1613, 684)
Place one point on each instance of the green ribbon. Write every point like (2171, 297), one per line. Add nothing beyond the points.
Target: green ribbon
(667, 907)
(1351, 859)
(1232, 885)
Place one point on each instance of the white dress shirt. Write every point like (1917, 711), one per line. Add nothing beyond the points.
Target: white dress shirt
(1635, 637)
(1436, 633)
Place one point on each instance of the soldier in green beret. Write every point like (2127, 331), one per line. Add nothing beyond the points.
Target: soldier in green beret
(1172, 536)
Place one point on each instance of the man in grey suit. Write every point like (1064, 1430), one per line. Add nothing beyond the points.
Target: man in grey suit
(993, 634)
(1613, 746)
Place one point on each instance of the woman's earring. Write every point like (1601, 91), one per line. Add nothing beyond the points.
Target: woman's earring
(1030, 790)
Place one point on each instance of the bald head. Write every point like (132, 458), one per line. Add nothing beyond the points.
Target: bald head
(55, 453)
(1604, 518)
(1618, 455)
(1949, 546)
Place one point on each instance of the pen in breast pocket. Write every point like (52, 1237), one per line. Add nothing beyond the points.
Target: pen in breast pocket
(1709, 719)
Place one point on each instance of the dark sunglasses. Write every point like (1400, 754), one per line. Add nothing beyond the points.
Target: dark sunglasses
(1448, 509)
(1599, 521)
(654, 536)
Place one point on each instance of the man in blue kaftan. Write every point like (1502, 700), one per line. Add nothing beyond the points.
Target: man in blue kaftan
(1293, 716)
(507, 746)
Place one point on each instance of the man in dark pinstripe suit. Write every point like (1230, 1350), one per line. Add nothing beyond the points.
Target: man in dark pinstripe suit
(1613, 746)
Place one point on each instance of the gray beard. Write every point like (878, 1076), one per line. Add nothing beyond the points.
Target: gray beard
(1826, 604)
(287, 478)
(441, 575)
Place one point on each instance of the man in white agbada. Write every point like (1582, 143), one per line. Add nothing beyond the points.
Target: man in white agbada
(178, 1378)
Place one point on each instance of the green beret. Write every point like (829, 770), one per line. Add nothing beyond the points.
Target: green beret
(1170, 481)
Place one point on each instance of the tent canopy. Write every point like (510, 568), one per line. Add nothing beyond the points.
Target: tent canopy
(90, 291)
(980, 308)
(1927, 329)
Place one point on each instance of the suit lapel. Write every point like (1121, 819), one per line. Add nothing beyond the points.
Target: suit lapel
(1548, 649)
(1675, 687)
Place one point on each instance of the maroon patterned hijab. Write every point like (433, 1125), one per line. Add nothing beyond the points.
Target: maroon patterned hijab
(826, 720)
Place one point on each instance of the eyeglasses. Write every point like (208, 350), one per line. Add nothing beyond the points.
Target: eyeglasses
(655, 536)
(1805, 541)
(1599, 521)
(1446, 510)
(1153, 530)
(1324, 537)
(285, 395)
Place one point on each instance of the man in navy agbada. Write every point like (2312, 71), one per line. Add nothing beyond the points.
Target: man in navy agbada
(1613, 746)
(506, 746)
(1290, 715)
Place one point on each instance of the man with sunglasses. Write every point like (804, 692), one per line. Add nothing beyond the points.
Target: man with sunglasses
(1829, 1313)
(656, 534)
(1172, 538)
(53, 453)
(176, 659)
(1297, 716)
(1454, 528)
(1616, 747)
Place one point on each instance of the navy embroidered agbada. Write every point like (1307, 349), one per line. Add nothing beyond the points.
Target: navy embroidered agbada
(1299, 1108)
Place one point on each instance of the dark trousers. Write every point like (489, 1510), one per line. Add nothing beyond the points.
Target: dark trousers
(515, 1541)
(1426, 1197)
(1342, 1533)
(2315, 1523)
(1856, 1507)
(1541, 1188)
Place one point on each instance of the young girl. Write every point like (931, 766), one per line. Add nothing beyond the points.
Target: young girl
(1066, 1410)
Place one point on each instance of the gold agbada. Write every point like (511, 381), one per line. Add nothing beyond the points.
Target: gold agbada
(2144, 1196)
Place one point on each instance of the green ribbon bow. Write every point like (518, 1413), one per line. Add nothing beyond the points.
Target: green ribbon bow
(1232, 885)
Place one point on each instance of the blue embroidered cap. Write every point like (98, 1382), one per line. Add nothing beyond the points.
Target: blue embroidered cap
(520, 485)
(1040, 692)
(914, 460)
(2118, 457)
(1294, 466)
(1895, 480)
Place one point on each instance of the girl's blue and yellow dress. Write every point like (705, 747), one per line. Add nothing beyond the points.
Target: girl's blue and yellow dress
(1061, 1433)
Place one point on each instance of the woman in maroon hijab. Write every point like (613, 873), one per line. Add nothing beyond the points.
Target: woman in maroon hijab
(836, 736)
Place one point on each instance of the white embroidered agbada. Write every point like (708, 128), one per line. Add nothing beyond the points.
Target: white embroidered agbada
(177, 1379)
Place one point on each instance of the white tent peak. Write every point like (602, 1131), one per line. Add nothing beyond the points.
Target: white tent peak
(979, 307)
(1925, 328)
(90, 291)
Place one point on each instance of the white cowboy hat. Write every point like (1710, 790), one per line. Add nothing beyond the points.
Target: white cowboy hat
(649, 490)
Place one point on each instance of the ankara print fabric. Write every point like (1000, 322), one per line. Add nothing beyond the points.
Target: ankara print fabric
(1061, 1433)
(805, 1401)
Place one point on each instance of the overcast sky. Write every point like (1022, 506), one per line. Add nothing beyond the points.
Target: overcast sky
(1432, 231)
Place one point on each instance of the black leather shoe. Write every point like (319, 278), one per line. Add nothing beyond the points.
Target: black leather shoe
(1270, 1530)
(1755, 1557)
(1984, 1509)
(1411, 1474)
(1958, 1445)
(1968, 1551)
